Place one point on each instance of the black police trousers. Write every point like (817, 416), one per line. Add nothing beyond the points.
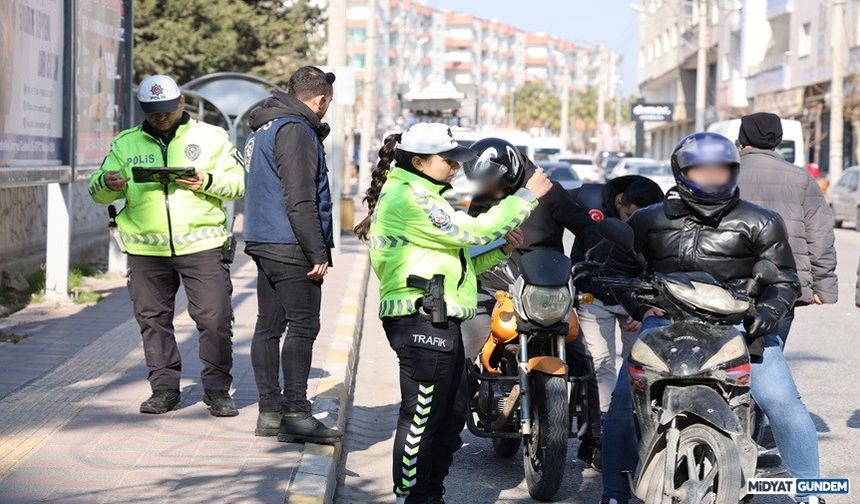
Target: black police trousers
(433, 403)
(152, 285)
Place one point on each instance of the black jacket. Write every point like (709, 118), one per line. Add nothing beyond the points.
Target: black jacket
(724, 240)
(544, 229)
(296, 155)
(600, 197)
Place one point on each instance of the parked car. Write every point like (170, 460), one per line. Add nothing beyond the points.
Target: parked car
(583, 166)
(659, 172)
(545, 148)
(624, 165)
(562, 173)
(844, 198)
(607, 160)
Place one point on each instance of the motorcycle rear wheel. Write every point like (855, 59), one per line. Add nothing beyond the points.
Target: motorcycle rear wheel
(707, 469)
(545, 451)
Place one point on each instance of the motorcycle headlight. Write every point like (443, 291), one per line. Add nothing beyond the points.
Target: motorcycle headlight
(644, 355)
(736, 347)
(704, 296)
(546, 305)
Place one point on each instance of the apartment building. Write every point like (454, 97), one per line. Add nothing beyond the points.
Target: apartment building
(763, 55)
(486, 60)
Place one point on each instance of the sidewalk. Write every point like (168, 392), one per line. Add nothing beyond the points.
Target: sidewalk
(70, 430)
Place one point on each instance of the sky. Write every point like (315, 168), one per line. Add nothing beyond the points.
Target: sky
(590, 21)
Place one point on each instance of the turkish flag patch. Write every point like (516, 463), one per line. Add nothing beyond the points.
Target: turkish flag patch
(596, 215)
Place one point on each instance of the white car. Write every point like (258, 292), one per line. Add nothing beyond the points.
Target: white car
(562, 173)
(584, 167)
(659, 172)
(623, 166)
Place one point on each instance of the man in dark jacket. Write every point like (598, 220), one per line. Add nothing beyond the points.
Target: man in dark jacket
(618, 198)
(767, 180)
(288, 230)
(703, 225)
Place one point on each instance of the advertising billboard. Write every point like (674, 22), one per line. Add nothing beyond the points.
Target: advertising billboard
(31, 82)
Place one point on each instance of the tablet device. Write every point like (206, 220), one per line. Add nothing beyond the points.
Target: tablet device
(161, 174)
(476, 251)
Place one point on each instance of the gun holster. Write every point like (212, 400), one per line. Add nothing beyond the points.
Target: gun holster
(228, 250)
(433, 301)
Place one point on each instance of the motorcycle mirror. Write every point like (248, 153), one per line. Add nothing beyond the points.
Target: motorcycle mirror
(765, 272)
(618, 232)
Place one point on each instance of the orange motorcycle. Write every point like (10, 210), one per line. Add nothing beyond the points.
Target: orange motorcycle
(525, 392)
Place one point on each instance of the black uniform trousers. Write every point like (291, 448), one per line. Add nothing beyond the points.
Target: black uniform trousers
(152, 285)
(433, 403)
(287, 300)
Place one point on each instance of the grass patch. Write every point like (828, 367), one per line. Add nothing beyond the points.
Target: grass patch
(15, 300)
(11, 337)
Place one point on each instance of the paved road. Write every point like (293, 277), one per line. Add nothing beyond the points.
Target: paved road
(823, 352)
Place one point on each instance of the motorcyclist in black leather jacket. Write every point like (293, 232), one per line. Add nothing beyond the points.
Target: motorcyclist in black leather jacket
(704, 225)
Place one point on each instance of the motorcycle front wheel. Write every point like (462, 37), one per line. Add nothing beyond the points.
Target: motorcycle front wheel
(545, 451)
(707, 470)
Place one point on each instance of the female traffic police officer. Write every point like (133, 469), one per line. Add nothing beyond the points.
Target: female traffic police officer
(419, 250)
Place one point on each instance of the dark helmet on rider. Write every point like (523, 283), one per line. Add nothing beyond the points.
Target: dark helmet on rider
(705, 149)
(498, 161)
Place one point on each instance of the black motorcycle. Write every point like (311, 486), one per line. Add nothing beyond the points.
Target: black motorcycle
(690, 381)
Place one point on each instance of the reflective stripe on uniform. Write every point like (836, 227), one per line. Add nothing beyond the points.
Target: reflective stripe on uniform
(384, 242)
(423, 200)
(402, 307)
(162, 239)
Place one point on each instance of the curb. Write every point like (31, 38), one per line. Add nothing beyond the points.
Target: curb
(315, 478)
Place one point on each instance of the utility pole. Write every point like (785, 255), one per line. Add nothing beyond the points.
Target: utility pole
(565, 110)
(337, 58)
(837, 42)
(601, 86)
(368, 117)
(702, 65)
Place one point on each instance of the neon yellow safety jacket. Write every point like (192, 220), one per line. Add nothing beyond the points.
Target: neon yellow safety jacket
(175, 221)
(415, 231)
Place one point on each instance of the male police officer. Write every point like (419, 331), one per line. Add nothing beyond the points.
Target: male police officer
(172, 231)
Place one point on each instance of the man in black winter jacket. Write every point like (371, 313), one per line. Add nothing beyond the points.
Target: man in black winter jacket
(288, 230)
(704, 226)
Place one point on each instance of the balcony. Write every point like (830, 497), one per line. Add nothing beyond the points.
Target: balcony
(769, 80)
(776, 8)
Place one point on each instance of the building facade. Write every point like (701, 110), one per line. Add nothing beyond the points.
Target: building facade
(762, 55)
(486, 60)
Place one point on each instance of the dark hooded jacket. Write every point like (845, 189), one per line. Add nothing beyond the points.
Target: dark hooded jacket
(724, 239)
(544, 229)
(298, 167)
(766, 179)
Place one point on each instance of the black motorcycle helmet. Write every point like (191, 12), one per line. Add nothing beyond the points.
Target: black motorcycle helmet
(699, 149)
(498, 161)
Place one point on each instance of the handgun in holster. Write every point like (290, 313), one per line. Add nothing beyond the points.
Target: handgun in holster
(228, 249)
(114, 232)
(433, 301)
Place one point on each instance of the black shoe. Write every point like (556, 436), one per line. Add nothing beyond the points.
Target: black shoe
(304, 428)
(437, 497)
(220, 403)
(769, 461)
(612, 500)
(161, 401)
(591, 453)
(268, 423)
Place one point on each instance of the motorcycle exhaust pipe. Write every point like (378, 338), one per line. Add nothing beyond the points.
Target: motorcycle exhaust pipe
(510, 404)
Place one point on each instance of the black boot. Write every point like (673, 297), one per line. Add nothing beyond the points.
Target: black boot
(220, 403)
(302, 427)
(590, 452)
(268, 423)
(161, 401)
